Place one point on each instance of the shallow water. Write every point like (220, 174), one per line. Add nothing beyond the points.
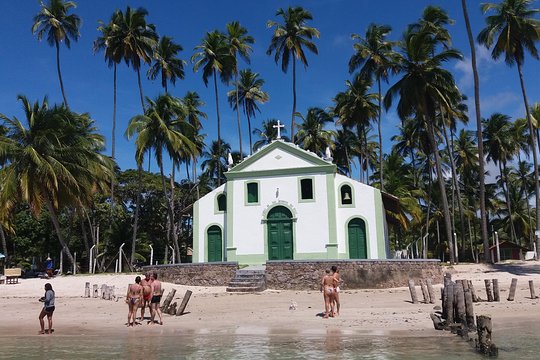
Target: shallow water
(272, 344)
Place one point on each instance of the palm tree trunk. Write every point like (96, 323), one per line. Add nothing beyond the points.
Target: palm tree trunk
(481, 175)
(442, 188)
(136, 220)
(535, 158)
(294, 97)
(218, 126)
(171, 224)
(238, 118)
(249, 129)
(506, 189)
(4, 244)
(140, 89)
(380, 136)
(56, 225)
(173, 221)
(113, 142)
(59, 72)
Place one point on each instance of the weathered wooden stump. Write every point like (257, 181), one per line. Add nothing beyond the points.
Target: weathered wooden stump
(449, 303)
(412, 290)
(170, 296)
(425, 293)
(431, 291)
(184, 303)
(496, 296)
(489, 294)
(87, 290)
(438, 323)
(103, 290)
(484, 344)
(460, 304)
(473, 293)
(469, 308)
(531, 288)
(95, 290)
(172, 309)
(512, 292)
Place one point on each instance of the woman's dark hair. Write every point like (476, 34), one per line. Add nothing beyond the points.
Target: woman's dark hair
(138, 279)
(48, 286)
(334, 268)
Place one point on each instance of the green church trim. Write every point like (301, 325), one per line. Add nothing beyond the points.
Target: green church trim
(379, 223)
(325, 169)
(331, 251)
(196, 216)
(228, 240)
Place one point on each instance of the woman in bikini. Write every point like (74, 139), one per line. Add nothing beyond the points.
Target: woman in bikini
(328, 288)
(338, 281)
(133, 299)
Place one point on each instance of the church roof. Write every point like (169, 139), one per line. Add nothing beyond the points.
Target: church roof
(280, 158)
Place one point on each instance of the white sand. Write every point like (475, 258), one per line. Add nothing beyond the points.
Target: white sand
(213, 309)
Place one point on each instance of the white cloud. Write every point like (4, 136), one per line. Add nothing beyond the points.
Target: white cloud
(484, 64)
(502, 102)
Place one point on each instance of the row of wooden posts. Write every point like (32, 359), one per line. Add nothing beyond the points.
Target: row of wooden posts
(107, 293)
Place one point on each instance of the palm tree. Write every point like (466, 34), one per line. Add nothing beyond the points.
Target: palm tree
(162, 129)
(482, 179)
(311, 134)
(425, 86)
(214, 56)
(375, 57)
(214, 164)
(238, 42)
(290, 39)
(54, 162)
(192, 104)
(248, 92)
(347, 145)
(54, 22)
(511, 31)
(166, 62)
(268, 133)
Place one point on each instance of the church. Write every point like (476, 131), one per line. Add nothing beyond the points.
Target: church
(285, 203)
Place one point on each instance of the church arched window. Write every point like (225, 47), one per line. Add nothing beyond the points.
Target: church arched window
(222, 202)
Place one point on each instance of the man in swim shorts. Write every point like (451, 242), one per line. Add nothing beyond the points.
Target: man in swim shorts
(147, 294)
(157, 292)
(133, 299)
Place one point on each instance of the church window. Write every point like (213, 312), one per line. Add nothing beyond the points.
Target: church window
(252, 193)
(306, 189)
(346, 195)
(222, 202)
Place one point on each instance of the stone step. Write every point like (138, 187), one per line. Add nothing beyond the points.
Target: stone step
(234, 283)
(246, 289)
(248, 281)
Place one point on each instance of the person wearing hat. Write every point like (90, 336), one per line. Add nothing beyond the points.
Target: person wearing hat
(49, 265)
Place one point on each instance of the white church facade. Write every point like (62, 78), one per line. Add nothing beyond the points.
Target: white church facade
(285, 203)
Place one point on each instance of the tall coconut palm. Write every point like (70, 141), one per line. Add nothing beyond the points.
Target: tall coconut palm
(248, 92)
(512, 30)
(239, 44)
(375, 58)
(166, 62)
(425, 86)
(289, 39)
(311, 134)
(482, 179)
(192, 104)
(162, 129)
(214, 164)
(214, 56)
(52, 162)
(268, 133)
(54, 22)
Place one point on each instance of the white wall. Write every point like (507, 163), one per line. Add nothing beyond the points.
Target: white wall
(207, 216)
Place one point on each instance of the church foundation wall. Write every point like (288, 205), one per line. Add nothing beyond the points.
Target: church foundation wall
(199, 274)
(356, 274)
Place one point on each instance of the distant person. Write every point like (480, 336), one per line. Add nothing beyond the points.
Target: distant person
(328, 289)
(337, 282)
(133, 299)
(157, 292)
(147, 294)
(48, 309)
(49, 266)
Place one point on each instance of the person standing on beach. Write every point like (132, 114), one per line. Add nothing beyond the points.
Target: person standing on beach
(157, 292)
(328, 289)
(337, 282)
(147, 294)
(48, 309)
(133, 299)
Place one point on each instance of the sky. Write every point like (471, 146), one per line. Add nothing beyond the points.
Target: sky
(28, 66)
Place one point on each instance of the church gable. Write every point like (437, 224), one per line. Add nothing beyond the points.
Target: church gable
(280, 156)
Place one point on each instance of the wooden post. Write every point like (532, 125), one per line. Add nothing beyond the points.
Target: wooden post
(496, 296)
(484, 344)
(460, 304)
(425, 293)
(443, 302)
(412, 289)
(87, 290)
(471, 287)
(469, 308)
(167, 301)
(112, 296)
(449, 303)
(531, 287)
(512, 293)
(172, 309)
(447, 279)
(430, 291)
(95, 290)
(103, 290)
(184, 303)
(489, 294)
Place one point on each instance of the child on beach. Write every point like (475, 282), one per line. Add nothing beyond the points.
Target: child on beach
(48, 309)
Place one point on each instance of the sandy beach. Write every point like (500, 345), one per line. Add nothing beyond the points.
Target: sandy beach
(212, 309)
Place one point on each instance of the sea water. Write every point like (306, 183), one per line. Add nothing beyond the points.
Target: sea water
(271, 344)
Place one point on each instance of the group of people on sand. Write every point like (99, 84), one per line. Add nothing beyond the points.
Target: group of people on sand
(144, 293)
(330, 288)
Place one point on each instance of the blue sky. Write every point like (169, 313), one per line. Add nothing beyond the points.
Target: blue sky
(29, 68)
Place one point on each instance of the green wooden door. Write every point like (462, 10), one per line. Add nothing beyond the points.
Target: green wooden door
(280, 235)
(357, 239)
(215, 244)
